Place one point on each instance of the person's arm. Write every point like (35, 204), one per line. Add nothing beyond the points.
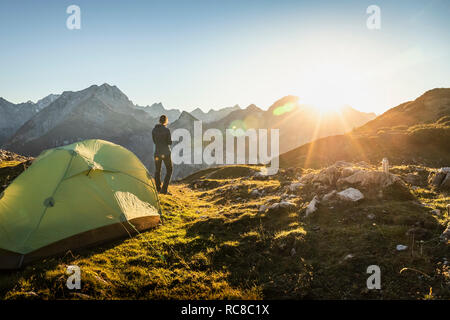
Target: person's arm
(153, 136)
(169, 138)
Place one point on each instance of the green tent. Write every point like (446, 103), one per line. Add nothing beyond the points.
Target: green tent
(74, 196)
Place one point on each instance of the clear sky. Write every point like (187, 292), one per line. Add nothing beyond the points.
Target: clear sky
(212, 54)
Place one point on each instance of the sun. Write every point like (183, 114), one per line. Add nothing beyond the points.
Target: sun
(331, 87)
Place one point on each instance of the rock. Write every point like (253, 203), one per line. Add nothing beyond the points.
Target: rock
(255, 193)
(351, 194)
(316, 228)
(371, 216)
(327, 176)
(261, 175)
(312, 206)
(348, 171)
(329, 196)
(294, 186)
(283, 206)
(262, 208)
(446, 234)
(445, 185)
(287, 205)
(440, 179)
(412, 178)
(436, 212)
(401, 247)
(349, 256)
(293, 252)
(371, 178)
(307, 178)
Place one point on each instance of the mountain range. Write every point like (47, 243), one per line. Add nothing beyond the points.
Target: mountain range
(105, 112)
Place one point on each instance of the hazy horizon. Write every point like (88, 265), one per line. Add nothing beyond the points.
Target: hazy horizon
(218, 54)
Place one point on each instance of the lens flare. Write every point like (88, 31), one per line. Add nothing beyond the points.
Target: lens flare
(288, 107)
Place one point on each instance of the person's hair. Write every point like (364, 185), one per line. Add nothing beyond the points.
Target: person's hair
(163, 119)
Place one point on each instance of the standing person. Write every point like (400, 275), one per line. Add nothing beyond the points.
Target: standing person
(162, 139)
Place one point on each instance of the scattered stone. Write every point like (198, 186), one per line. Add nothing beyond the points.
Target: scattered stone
(312, 206)
(371, 216)
(294, 186)
(282, 206)
(349, 256)
(436, 212)
(293, 252)
(446, 234)
(401, 247)
(255, 193)
(262, 208)
(316, 228)
(351, 194)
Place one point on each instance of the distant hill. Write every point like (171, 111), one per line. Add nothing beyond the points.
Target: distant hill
(428, 108)
(414, 132)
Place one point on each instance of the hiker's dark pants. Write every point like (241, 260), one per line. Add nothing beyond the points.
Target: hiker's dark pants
(168, 163)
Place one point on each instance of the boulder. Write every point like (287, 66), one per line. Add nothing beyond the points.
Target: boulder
(294, 186)
(348, 171)
(312, 206)
(327, 176)
(446, 183)
(262, 208)
(307, 178)
(351, 194)
(412, 178)
(329, 196)
(446, 234)
(440, 179)
(283, 206)
(366, 178)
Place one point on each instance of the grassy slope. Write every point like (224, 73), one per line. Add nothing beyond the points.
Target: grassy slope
(214, 244)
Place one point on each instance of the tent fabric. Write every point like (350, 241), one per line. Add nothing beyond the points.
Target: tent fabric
(73, 189)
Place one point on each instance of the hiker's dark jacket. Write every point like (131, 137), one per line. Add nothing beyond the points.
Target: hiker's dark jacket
(162, 139)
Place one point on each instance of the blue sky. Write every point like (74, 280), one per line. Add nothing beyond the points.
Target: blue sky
(212, 54)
